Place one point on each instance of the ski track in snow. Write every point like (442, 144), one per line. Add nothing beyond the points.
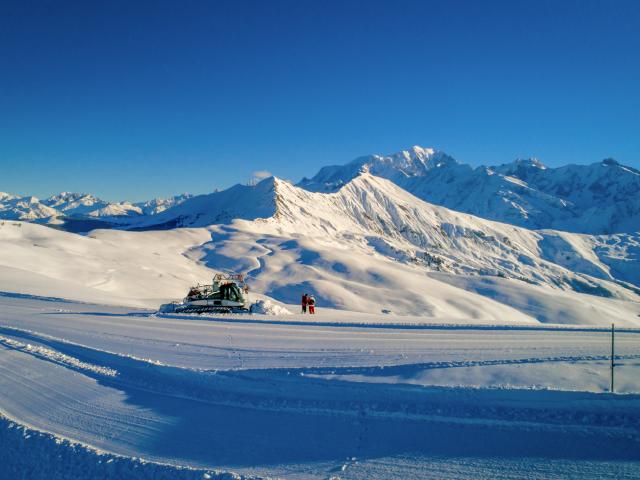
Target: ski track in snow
(306, 401)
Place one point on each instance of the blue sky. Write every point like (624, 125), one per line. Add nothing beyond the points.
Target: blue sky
(135, 99)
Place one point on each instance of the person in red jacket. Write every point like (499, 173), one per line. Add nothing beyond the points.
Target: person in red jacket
(305, 301)
(311, 301)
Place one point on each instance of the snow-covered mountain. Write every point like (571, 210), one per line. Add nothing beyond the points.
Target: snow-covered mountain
(157, 205)
(84, 205)
(362, 237)
(601, 198)
(14, 207)
(69, 205)
(238, 202)
(370, 247)
(375, 214)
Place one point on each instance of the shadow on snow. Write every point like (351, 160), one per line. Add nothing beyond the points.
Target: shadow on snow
(276, 416)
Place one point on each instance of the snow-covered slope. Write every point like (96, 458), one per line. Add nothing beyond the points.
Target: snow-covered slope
(148, 268)
(108, 266)
(601, 198)
(238, 202)
(376, 213)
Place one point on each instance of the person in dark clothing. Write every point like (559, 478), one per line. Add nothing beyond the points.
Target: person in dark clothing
(305, 301)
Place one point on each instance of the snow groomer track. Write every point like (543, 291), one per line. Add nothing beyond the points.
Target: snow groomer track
(288, 398)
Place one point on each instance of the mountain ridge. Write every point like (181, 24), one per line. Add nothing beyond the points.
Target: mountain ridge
(392, 222)
(600, 198)
(54, 210)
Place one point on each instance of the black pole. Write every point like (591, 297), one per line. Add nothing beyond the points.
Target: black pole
(612, 355)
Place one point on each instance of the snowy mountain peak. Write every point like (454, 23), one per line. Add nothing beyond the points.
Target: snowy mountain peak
(245, 202)
(525, 192)
(403, 164)
(418, 150)
(411, 162)
(72, 200)
(6, 196)
(68, 196)
(272, 181)
(419, 153)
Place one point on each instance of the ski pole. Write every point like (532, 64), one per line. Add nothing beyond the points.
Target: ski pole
(612, 355)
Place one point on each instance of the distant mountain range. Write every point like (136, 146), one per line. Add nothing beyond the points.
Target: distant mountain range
(601, 198)
(66, 205)
(506, 235)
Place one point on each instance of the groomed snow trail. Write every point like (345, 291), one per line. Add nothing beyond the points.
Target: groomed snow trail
(285, 398)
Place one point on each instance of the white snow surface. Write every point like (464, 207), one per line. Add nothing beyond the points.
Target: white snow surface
(46, 456)
(287, 397)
